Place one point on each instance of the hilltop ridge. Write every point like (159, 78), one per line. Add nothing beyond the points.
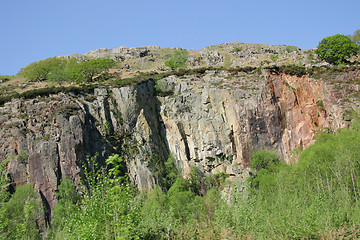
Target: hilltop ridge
(233, 54)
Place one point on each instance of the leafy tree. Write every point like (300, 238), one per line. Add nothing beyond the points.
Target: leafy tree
(336, 49)
(90, 69)
(40, 71)
(356, 37)
(18, 216)
(58, 70)
(106, 210)
(177, 60)
(155, 221)
(67, 206)
(4, 194)
(171, 172)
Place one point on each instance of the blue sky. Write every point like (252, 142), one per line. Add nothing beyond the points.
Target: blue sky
(38, 29)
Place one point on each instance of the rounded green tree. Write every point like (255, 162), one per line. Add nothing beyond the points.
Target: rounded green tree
(336, 49)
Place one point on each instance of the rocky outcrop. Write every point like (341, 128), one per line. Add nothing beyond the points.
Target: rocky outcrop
(213, 121)
(118, 54)
(227, 54)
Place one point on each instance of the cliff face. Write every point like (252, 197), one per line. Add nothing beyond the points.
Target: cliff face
(213, 121)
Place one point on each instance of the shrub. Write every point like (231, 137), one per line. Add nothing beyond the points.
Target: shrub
(68, 198)
(293, 70)
(40, 71)
(274, 57)
(355, 38)
(18, 216)
(58, 70)
(171, 172)
(177, 60)
(263, 159)
(90, 69)
(106, 210)
(336, 49)
(237, 49)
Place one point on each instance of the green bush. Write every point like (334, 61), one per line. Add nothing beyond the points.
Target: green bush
(308, 200)
(171, 172)
(177, 60)
(67, 206)
(274, 57)
(18, 216)
(293, 70)
(237, 49)
(4, 194)
(92, 68)
(336, 49)
(40, 71)
(263, 159)
(106, 210)
(58, 69)
(355, 38)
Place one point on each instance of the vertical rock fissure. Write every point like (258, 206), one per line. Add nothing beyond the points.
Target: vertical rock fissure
(184, 138)
(58, 170)
(47, 208)
(232, 140)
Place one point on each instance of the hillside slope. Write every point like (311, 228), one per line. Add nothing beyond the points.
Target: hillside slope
(211, 118)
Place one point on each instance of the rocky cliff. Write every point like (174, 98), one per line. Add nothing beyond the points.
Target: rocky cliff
(211, 119)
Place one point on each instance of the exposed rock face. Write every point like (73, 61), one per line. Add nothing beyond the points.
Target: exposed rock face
(213, 121)
(118, 54)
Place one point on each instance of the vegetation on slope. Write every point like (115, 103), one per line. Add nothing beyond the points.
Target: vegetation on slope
(56, 74)
(59, 70)
(337, 49)
(177, 60)
(316, 198)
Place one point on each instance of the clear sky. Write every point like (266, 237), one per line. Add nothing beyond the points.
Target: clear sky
(31, 30)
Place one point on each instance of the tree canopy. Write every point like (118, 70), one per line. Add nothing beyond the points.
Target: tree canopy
(39, 71)
(337, 49)
(356, 37)
(58, 69)
(177, 60)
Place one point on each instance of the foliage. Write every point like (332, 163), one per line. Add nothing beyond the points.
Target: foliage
(355, 38)
(237, 49)
(290, 49)
(154, 216)
(308, 200)
(274, 57)
(171, 172)
(312, 199)
(18, 216)
(177, 60)
(42, 92)
(59, 70)
(162, 90)
(263, 159)
(5, 78)
(106, 210)
(293, 70)
(216, 181)
(88, 70)
(336, 49)
(3, 181)
(319, 193)
(67, 206)
(320, 105)
(39, 71)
